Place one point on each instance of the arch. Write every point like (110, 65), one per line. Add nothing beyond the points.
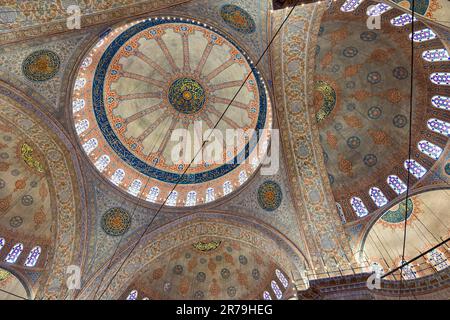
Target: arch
(190, 229)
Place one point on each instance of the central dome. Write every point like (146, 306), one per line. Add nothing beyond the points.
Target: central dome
(186, 95)
(146, 80)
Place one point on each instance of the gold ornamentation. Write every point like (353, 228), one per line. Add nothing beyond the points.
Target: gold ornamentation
(27, 155)
(207, 246)
(4, 275)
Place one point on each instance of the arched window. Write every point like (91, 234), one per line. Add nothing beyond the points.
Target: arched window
(441, 102)
(440, 78)
(153, 194)
(86, 62)
(266, 296)
(172, 199)
(422, 35)
(282, 278)
(191, 198)
(276, 289)
(90, 145)
(80, 83)
(396, 184)
(378, 9)
(350, 5)
(341, 213)
(436, 55)
(118, 176)
(359, 207)
(437, 259)
(133, 295)
(430, 149)
(77, 105)
(408, 272)
(33, 257)
(102, 162)
(210, 195)
(146, 298)
(242, 177)
(2, 243)
(135, 187)
(439, 126)
(227, 187)
(378, 197)
(14, 254)
(82, 126)
(402, 20)
(415, 168)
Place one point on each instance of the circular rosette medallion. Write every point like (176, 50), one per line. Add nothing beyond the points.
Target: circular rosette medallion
(148, 94)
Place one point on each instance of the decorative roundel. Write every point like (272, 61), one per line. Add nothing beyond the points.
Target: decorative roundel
(399, 121)
(398, 215)
(269, 195)
(116, 221)
(400, 73)
(353, 142)
(370, 160)
(15, 221)
(237, 18)
(41, 65)
(368, 36)
(145, 81)
(374, 77)
(447, 168)
(374, 112)
(350, 52)
(186, 95)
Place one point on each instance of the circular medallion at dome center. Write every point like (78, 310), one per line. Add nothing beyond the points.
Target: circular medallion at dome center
(186, 95)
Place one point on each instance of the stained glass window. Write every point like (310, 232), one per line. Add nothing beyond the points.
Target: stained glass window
(191, 198)
(422, 35)
(227, 187)
(408, 272)
(90, 145)
(210, 195)
(415, 168)
(378, 9)
(402, 20)
(33, 257)
(77, 105)
(118, 176)
(133, 295)
(242, 177)
(14, 254)
(266, 296)
(436, 55)
(82, 126)
(441, 102)
(135, 187)
(276, 289)
(396, 184)
(80, 83)
(377, 196)
(282, 278)
(430, 149)
(350, 5)
(359, 207)
(437, 259)
(102, 162)
(153, 194)
(172, 199)
(439, 126)
(2, 243)
(341, 213)
(377, 268)
(86, 62)
(441, 78)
